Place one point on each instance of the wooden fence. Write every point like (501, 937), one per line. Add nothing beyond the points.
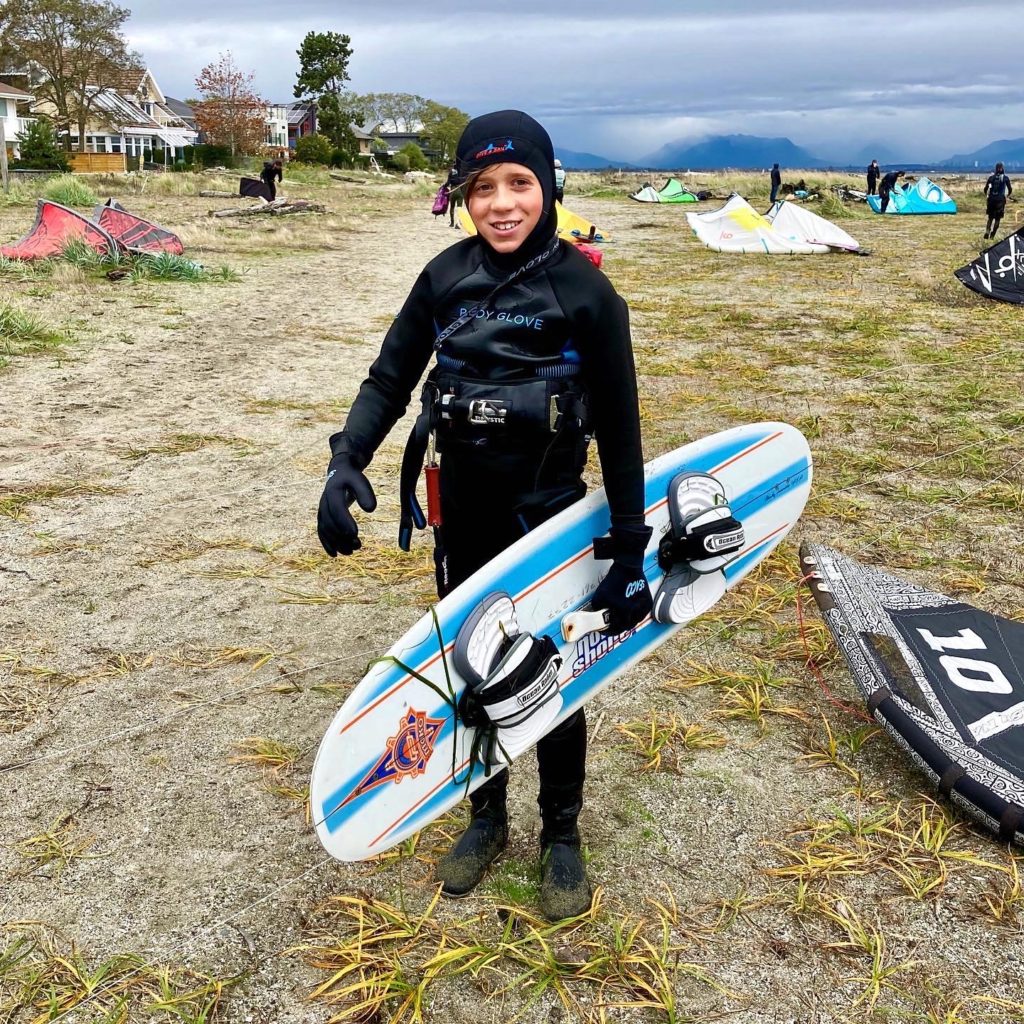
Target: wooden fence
(97, 163)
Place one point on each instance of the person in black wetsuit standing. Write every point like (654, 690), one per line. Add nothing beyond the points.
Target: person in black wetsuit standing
(874, 173)
(997, 188)
(776, 182)
(887, 185)
(517, 319)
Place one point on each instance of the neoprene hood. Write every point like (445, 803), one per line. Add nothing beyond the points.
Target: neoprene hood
(512, 137)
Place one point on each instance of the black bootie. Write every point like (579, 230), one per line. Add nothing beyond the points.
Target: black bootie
(462, 869)
(564, 889)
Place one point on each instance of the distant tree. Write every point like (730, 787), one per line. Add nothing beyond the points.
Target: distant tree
(441, 128)
(230, 113)
(396, 111)
(323, 72)
(323, 65)
(75, 46)
(333, 119)
(40, 149)
(314, 149)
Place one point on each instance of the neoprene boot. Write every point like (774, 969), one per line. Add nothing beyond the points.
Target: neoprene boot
(564, 889)
(463, 867)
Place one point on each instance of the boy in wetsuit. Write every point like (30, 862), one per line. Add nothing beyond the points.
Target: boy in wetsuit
(509, 309)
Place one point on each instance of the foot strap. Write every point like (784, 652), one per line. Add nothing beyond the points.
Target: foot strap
(512, 694)
(709, 534)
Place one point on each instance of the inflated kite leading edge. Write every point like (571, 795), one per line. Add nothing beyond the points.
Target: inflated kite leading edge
(944, 678)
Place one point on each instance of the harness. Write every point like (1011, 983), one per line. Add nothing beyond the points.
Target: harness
(461, 410)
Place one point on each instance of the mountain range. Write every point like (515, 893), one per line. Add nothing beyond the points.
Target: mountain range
(757, 152)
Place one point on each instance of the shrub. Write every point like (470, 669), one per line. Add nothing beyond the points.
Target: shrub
(69, 191)
(414, 156)
(208, 155)
(39, 149)
(341, 158)
(399, 162)
(314, 149)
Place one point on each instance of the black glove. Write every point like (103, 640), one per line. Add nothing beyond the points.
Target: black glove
(624, 591)
(334, 523)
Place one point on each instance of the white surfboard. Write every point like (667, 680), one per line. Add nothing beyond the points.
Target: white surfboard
(395, 758)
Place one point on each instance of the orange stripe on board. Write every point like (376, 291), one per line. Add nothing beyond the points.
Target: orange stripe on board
(405, 814)
(554, 572)
(753, 448)
(757, 544)
(387, 693)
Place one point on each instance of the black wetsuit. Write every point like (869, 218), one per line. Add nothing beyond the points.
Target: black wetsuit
(268, 175)
(998, 187)
(776, 180)
(873, 175)
(494, 487)
(887, 185)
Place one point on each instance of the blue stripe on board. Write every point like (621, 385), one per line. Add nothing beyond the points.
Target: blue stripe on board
(576, 696)
(335, 815)
(573, 542)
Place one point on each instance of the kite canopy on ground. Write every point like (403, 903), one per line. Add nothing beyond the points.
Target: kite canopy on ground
(738, 227)
(135, 233)
(253, 188)
(924, 196)
(998, 273)
(673, 191)
(54, 227)
(798, 223)
(944, 678)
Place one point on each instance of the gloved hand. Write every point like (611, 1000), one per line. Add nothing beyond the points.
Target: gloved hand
(345, 483)
(624, 592)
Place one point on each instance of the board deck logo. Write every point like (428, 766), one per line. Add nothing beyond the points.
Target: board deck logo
(593, 647)
(406, 755)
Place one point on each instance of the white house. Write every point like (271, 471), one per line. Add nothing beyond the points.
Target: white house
(130, 115)
(10, 97)
(277, 126)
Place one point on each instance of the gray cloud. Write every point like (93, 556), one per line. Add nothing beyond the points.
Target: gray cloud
(923, 78)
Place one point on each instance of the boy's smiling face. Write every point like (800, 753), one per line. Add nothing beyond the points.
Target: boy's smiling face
(506, 204)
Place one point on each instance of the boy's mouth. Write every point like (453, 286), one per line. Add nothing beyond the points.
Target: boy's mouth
(505, 225)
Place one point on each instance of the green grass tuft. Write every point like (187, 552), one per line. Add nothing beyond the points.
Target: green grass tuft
(68, 190)
(22, 333)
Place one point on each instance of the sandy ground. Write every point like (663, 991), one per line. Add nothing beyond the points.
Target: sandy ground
(178, 604)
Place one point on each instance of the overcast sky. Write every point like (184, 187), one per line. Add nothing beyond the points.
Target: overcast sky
(925, 79)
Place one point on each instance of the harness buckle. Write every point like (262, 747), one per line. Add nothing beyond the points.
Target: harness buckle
(485, 412)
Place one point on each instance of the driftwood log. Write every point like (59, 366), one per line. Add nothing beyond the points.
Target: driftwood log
(278, 208)
(213, 194)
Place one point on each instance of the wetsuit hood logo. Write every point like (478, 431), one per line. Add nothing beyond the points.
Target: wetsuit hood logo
(494, 149)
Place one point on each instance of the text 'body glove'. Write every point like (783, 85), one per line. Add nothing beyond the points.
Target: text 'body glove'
(624, 592)
(335, 526)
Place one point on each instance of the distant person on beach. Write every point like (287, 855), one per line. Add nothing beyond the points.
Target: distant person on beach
(454, 185)
(776, 182)
(559, 182)
(997, 188)
(874, 173)
(272, 171)
(888, 183)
